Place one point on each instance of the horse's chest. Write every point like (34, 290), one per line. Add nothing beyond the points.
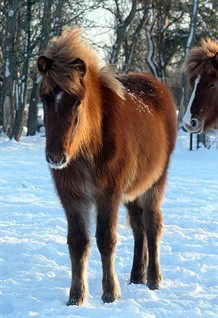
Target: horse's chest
(76, 179)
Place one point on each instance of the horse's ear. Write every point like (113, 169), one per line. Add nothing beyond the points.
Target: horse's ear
(214, 61)
(79, 65)
(44, 64)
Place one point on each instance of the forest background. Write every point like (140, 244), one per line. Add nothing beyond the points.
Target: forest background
(149, 35)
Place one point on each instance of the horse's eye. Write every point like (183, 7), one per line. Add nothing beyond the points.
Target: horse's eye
(211, 85)
(77, 103)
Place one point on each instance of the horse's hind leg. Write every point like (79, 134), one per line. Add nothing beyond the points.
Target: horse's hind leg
(139, 266)
(152, 221)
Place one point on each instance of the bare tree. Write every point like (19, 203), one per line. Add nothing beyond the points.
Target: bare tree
(9, 62)
(162, 33)
(189, 43)
(150, 55)
(56, 15)
(22, 80)
(121, 28)
(138, 27)
(45, 35)
(147, 35)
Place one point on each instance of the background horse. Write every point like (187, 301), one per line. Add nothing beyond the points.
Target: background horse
(202, 67)
(108, 140)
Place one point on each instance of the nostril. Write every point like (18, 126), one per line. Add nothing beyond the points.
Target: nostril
(63, 158)
(49, 157)
(56, 159)
(194, 123)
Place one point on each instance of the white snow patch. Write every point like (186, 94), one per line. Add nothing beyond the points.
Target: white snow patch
(7, 69)
(35, 264)
(11, 13)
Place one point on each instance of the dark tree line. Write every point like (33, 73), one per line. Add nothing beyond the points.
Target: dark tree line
(146, 35)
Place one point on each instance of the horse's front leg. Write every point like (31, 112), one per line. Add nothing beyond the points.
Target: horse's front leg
(107, 210)
(78, 244)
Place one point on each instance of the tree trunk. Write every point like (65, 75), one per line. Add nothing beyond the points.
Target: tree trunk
(32, 115)
(192, 30)
(135, 37)
(161, 39)
(201, 139)
(18, 124)
(121, 31)
(34, 99)
(58, 18)
(9, 68)
(150, 52)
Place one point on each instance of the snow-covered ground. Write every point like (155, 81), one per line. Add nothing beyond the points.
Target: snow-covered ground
(35, 266)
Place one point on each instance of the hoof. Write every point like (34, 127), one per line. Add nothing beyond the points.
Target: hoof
(138, 279)
(154, 285)
(154, 281)
(73, 301)
(109, 297)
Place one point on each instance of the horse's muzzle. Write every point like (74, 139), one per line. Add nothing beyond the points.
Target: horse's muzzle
(56, 161)
(195, 127)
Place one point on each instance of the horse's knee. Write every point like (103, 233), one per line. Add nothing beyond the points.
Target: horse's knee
(78, 244)
(106, 242)
(106, 233)
(153, 222)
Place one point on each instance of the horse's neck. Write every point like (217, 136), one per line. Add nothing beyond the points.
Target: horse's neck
(91, 115)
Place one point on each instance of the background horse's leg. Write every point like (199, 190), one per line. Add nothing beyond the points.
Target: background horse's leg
(152, 220)
(78, 244)
(107, 210)
(140, 259)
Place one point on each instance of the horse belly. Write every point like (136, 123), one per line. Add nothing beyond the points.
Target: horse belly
(141, 184)
(148, 168)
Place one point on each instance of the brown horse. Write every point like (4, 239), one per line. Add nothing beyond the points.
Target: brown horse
(108, 139)
(202, 68)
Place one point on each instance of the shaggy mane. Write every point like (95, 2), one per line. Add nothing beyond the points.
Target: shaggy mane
(198, 60)
(66, 48)
(108, 79)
